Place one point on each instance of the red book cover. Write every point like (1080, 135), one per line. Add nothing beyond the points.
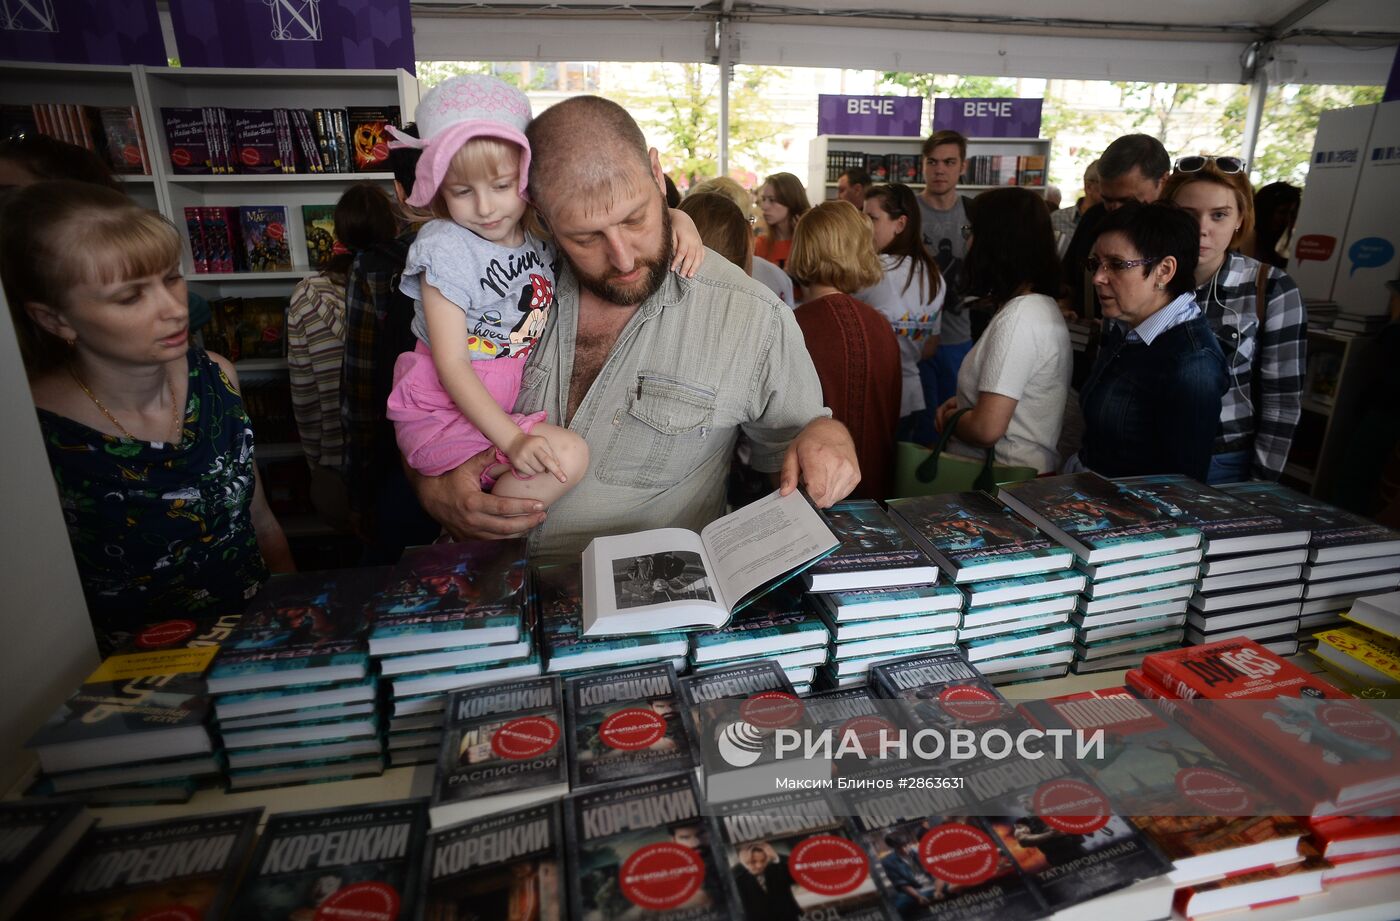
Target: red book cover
(1338, 752)
(1352, 836)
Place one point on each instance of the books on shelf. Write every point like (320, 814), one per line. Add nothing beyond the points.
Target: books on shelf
(674, 579)
(502, 748)
(263, 229)
(973, 537)
(219, 141)
(38, 835)
(185, 867)
(344, 861)
(318, 229)
(495, 864)
(114, 133)
(1097, 519)
(874, 553)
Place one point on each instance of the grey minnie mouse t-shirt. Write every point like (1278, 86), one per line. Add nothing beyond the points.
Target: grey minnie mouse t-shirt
(505, 291)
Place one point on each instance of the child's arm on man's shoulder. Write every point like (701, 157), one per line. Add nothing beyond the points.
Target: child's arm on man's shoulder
(685, 238)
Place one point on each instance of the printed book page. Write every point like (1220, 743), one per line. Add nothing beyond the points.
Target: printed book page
(650, 580)
(764, 540)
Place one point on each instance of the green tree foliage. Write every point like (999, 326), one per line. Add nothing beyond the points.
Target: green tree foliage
(1289, 126)
(682, 113)
(949, 86)
(1177, 114)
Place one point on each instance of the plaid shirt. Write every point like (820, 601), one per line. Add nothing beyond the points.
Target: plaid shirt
(1260, 410)
(377, 331)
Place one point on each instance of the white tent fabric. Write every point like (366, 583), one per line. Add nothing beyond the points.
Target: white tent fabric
(1203, 41)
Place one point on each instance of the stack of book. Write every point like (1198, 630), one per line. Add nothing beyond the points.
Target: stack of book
(1310, 759)
(247, 238)
(1140, 565)
(1358, 324)
(136, 730)
(780, 627)
(1169, 775)
(449, 616)
(877, 595)
(564, 649)
(1004, 169)
(1251, 575)
(1348, 555)
(919, 833)
(293, 689)
(38, 837)
(1357, 847)
(1019, 584)
(1364, 655)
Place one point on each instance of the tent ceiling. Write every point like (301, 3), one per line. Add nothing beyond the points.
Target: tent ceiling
(1321, 41)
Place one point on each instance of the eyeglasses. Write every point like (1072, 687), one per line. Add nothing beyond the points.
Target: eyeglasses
(1094, 263)
(1227, 165)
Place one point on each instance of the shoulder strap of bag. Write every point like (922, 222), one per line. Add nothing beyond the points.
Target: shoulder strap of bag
(1261, 294)
(927, 471)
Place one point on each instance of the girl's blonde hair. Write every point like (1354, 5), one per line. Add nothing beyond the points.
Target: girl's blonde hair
(485, 156)
(60, 234)
(834, 245)
(1235, 182)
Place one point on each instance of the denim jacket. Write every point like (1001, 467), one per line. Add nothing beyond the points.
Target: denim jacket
(1151, 409)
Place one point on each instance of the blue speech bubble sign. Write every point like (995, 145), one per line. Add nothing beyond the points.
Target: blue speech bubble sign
(1370, 253)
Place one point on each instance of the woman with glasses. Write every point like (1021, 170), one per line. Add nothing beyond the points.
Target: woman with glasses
(1016, 378)
(1257, 314)
(1152, 401)
(782, 200)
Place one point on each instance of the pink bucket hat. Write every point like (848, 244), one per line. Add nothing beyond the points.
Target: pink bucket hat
(454, 112)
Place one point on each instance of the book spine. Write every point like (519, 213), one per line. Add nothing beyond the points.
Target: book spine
(323, 140)
(342, 139)
(141, 146)
(199, 252)
(310, 154)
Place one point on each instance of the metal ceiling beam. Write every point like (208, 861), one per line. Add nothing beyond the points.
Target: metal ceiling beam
(1296, 15)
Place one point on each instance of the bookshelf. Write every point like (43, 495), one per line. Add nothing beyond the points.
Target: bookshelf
(1330, 392)
(819, 188)
(78, 84)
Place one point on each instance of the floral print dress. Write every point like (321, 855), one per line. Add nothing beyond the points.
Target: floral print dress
(161, 531)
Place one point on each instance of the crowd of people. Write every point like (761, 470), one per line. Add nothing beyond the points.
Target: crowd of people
(529, 341)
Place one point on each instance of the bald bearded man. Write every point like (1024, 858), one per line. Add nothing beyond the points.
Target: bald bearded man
(660, 374)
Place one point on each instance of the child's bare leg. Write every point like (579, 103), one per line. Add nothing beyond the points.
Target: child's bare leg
(572, 453)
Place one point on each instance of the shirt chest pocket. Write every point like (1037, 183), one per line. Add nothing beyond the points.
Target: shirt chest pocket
(1238, 338)
(662, 433)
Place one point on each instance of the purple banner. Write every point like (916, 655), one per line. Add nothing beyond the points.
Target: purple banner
(988, 118)
(882, 116)
(81, 32)
(330, 34)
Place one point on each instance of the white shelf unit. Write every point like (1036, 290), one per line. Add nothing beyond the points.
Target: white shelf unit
(90, 85)
(819, 188)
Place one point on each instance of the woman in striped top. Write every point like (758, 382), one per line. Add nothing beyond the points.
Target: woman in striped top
(364, 217)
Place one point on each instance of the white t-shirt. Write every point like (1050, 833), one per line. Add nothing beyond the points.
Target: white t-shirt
(774, 278)
(1023, 354)
(913, 318)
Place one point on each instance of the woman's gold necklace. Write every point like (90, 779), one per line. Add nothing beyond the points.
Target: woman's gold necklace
(177, 421)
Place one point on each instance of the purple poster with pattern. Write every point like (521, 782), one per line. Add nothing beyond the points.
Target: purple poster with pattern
(877, 116)
(81, 32)
(989, 118)
(331, 34)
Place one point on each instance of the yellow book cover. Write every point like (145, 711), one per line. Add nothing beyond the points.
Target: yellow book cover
(1375, 652)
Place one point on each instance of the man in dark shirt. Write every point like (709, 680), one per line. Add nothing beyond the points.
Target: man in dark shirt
(1132, 168)
(765, 886)
(377, 330)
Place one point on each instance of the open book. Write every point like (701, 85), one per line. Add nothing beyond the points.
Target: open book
(674, 579)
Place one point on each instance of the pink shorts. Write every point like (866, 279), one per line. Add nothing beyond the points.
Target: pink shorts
(431, 431)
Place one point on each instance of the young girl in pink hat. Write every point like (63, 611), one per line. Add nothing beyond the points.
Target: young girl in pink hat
(483, 286)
